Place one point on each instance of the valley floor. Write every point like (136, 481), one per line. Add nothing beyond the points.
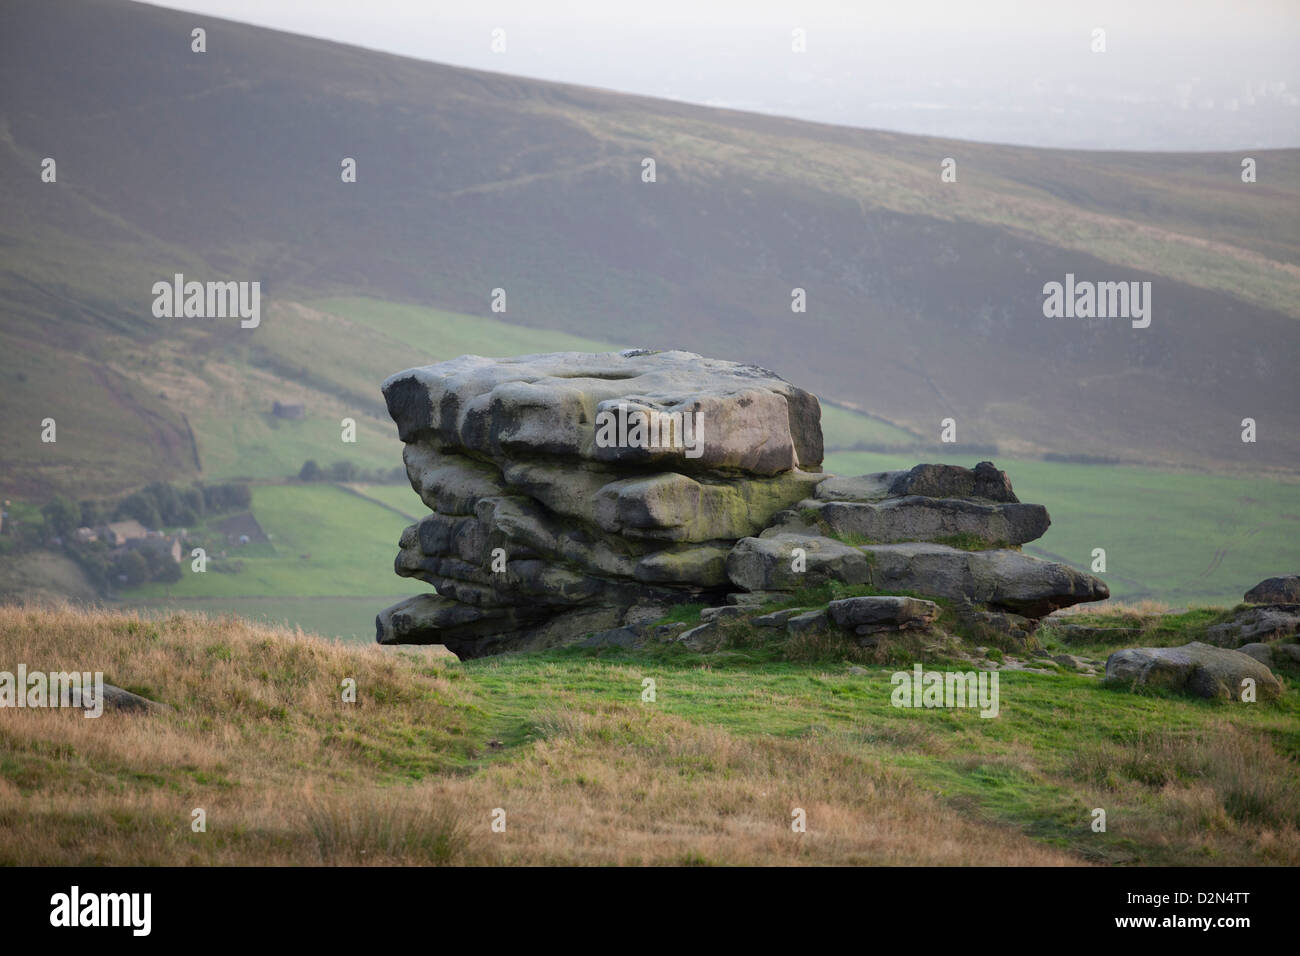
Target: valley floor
(583, 770)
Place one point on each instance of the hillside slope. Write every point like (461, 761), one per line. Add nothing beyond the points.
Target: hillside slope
(924, 298)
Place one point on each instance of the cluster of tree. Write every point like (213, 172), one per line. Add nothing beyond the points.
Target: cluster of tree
(163, 505)
(347, 471)
(126, 568)
(24, 528)
(158, 505)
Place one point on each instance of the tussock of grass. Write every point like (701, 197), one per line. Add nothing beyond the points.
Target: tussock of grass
(1135, 611)
(397, 828)
(257, 724)
(688, 614)
(1217, 785)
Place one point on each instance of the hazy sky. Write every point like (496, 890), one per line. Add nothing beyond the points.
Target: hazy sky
(1175, 74)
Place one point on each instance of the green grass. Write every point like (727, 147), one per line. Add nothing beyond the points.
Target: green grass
(433, 335)
(350, 543)
(1028, 768)
(842, 429)
(969, 542)
(398, 497)
(244, 441)
(1180, 537)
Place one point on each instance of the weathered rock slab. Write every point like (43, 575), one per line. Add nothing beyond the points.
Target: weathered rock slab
(1002, 579)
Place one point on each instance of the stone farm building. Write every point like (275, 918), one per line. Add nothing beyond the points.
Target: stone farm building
(166, 544)
(117, 533)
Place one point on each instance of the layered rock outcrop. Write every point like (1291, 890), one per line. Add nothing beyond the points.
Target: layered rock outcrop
(573, 493)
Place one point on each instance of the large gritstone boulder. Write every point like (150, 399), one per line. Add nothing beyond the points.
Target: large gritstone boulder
(574, 493)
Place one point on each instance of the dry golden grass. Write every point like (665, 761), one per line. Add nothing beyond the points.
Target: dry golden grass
(1224, 789)
(256, 726)
(1138, 610)
(633, 786)
(258, 736)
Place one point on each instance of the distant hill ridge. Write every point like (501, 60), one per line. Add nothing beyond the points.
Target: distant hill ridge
(924, 299)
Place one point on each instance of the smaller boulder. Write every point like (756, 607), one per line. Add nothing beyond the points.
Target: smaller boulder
(1261, 652)
(1283, 590)
(807, 621)
(123, 701)
(1195, 668)
(700, 637)
(896, 612)
(778, 618)
(953, 481)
